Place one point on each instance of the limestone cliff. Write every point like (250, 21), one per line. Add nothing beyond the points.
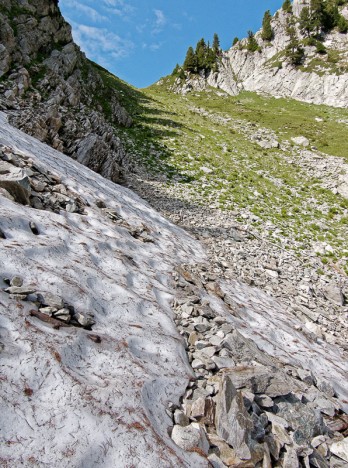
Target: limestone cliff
(321, 78)
(50, 89)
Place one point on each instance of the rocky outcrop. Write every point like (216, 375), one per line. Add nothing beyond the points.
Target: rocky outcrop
(321, 79)
(51, 91)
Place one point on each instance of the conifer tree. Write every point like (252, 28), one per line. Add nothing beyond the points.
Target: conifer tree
(210, 58)
(176, 69)
(316, 15)
(294, 51)
(252, 45)
(287, 7)
(235, 40)
(330, 15)
(305, 21)
(216, 44)
(190, 63)
(267, 32)
(201, 49)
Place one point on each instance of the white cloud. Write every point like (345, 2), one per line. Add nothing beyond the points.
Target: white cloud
(160, 21)
(160, 18)
(119, 8)
(153, 46)
(100, 44)
(88, 11)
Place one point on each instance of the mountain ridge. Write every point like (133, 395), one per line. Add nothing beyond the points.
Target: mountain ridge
(322, 77)
(53, 92)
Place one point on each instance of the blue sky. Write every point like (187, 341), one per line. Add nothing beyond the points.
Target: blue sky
(142, 40)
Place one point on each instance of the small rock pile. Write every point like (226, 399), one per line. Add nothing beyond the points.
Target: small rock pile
(23, 182)
(142, 233)
(50, 308)
(244, 408)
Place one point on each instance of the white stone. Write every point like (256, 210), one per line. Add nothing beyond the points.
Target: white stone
(190, 437)
(340, 449)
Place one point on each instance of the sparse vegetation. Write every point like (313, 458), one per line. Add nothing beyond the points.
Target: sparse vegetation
(207, 130)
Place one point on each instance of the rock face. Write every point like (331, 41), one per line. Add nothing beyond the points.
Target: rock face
(319, 80)
(53, 92)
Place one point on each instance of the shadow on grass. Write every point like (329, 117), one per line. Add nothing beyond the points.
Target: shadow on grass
(150, 125)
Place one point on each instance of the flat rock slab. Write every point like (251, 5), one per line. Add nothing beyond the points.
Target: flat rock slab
(261, 380)
(340, 449)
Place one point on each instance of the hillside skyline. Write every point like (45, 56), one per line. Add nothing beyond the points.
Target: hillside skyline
(143, 41)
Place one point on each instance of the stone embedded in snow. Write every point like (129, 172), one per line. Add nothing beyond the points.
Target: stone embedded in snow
(48, 311)
(34, 228)
(50, 300)
(190, 437)
(326, 406)
(301, 141)
(62, 314)
(16, 281)
(84, 320)
(22, 290)
(324, 386)
(279, 336)
(340, 449)
(15, 181)
(305, 375)
(314, 328)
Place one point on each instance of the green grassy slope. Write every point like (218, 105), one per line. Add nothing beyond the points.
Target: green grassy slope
(202, 142)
